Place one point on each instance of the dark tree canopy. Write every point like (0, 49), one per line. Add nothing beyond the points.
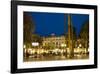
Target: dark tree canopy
(28, 29)
(84, 34)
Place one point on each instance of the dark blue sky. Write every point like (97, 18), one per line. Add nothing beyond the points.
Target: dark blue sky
(48, 23)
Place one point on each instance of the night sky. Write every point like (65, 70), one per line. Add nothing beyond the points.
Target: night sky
(53, 23)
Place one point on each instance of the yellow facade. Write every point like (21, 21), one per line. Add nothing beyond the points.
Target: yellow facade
(56, 41)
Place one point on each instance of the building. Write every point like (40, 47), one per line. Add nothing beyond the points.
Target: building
(54, 41)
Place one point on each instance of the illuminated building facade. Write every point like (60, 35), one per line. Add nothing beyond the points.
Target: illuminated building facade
(54, 41)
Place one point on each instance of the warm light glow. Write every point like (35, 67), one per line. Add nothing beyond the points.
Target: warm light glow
(25, 50)
(24, 46)
(33, 51)
(42, 51)
(30, 51)
(80, 45)
(35, 44)
(68, 50)
(56, 49)
(63, 45)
